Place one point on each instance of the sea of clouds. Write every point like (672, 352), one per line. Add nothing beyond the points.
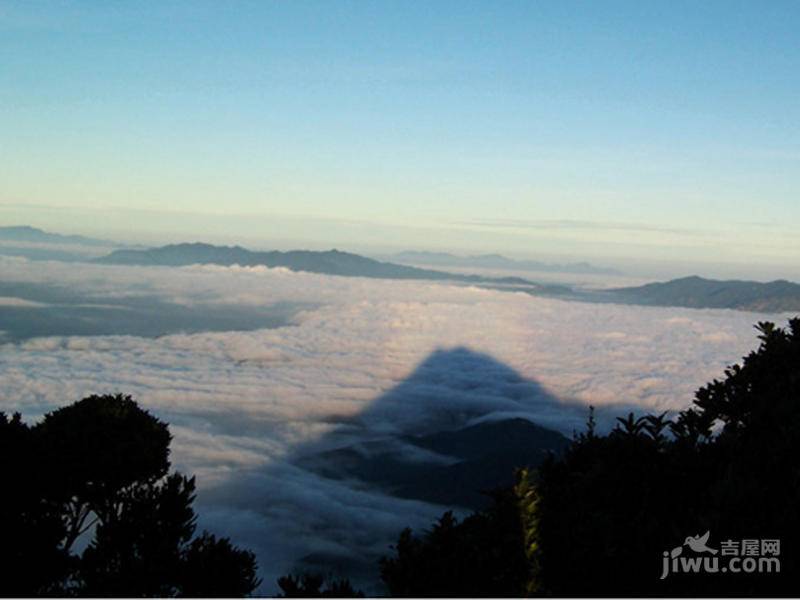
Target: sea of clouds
(242, 404)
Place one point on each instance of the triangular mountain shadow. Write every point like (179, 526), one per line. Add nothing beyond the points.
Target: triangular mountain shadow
(456, 427)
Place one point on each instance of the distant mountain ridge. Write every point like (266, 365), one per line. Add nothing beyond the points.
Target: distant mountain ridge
(690, 292)
(330, 262)
(697, 292)
(25, 233)
(497, 261)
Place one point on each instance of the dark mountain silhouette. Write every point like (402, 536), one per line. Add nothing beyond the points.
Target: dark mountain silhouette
(25, 233)
(474, 460)
(696, 292)
(495, 261)
(458, 432)
(331, 262)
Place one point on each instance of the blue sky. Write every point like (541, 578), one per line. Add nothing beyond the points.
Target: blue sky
(663, 130)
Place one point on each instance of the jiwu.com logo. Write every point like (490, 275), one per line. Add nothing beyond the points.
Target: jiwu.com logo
(732, 556)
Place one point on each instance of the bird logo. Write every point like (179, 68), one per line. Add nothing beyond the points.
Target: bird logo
(698, 543)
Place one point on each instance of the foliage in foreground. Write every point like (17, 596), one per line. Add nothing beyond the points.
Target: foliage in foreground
(598, 521)
(483, 555)
(99, 469)
(313, 585)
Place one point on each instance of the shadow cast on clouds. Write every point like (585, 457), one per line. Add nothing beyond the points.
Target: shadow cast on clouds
(456, 427)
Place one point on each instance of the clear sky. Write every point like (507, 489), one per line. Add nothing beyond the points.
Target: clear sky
(662, 130)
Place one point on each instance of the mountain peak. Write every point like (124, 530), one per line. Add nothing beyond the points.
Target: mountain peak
(697, 292)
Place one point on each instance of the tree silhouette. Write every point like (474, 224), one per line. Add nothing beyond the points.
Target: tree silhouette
(479, 556)
(311, 585)
(99, 468)
(97, 452)
(606, 511)
(32, 558)
(212, 567)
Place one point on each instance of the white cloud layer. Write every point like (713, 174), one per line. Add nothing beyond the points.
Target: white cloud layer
(241, 404)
